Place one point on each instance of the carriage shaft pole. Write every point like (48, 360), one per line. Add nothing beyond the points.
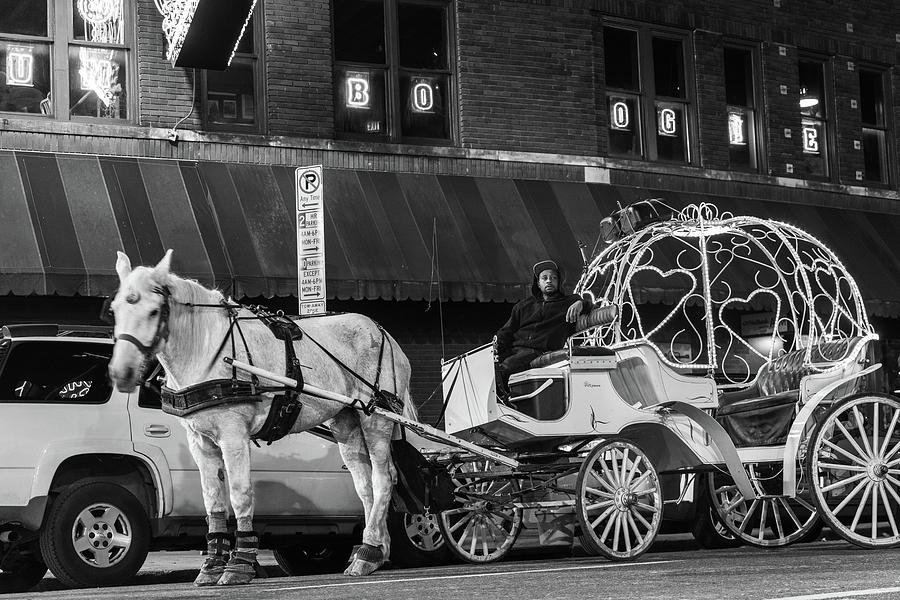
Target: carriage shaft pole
(420, 428)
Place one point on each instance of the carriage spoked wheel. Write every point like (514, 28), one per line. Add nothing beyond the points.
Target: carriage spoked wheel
(485, 524)
(619, 501)
(771, 519)
(854, 460)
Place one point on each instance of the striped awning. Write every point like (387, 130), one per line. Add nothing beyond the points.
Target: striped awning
(388, 235)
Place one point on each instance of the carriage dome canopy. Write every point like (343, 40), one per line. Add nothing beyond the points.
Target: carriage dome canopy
(741, 289)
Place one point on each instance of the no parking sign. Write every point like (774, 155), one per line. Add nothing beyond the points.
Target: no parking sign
(310, 240)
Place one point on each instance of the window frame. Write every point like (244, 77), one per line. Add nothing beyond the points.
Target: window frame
(883, 72)
(63, 346)
(828, 121)
(60, 37)
(257, 60)
(393, 72)
(758, 131)
(647, 96)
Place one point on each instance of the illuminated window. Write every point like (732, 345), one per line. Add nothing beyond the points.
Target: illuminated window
(232, 100)
(813, 103)
(874, 125)
(89, 44)
(741, 98)
(392, 73)
(647, 93)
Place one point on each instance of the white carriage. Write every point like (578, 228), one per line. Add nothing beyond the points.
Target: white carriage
(772, 416)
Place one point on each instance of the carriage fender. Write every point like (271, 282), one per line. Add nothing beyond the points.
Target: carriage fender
(792, 445)
(721, 441)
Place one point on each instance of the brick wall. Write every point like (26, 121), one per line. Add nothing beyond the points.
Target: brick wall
(847, 120)
(165, 92)
(526, 76)
(781, 107)
(712, 113)
(298, 68)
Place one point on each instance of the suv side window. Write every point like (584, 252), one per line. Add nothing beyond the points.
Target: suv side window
(56, 372)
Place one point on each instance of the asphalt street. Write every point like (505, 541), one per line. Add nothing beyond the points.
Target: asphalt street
(673, 571)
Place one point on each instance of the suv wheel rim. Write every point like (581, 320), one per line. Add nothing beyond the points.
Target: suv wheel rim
(101, 535)
(423, 531)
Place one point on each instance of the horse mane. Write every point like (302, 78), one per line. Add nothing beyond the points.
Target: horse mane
(198, 327)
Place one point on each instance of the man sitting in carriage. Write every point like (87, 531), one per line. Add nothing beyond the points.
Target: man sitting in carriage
(538, 324)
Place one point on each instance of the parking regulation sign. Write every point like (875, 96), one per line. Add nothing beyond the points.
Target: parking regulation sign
(310, 240)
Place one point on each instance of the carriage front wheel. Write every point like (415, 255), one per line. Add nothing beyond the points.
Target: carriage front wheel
(619, 501)
(485, 523)
(854, 460)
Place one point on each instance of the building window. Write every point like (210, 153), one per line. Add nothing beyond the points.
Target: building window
(647, 93)
(392, 73)
(87, 42)
(740, 96)
(874, 125)
(814, 117)
(232, 99)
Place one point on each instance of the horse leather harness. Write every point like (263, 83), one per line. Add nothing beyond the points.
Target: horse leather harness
(285, 408)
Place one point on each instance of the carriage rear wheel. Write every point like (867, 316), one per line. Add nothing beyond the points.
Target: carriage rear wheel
(771, 519)
(854, 460)
(619, 501)
(484, 525)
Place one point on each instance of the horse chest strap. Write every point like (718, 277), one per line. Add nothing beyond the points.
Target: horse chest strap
(206, 395)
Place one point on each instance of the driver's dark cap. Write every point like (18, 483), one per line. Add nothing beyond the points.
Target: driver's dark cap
(540, 267)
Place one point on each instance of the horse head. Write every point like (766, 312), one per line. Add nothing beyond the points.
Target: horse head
(141, 311)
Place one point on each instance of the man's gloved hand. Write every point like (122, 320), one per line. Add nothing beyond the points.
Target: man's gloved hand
(574, 311)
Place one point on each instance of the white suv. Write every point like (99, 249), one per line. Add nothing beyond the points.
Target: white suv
(91, 479)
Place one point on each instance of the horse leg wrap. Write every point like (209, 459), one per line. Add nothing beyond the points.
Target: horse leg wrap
(243, 566)
(364, 560)
(218, 546)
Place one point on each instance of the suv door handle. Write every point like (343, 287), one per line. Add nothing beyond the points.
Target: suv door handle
(156, 431)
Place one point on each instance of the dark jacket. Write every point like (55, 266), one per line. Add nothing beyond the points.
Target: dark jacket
(539, 324)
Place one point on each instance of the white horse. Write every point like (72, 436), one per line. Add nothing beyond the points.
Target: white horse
(157, 313)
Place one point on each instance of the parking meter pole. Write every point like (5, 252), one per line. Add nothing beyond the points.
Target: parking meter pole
(422, 429)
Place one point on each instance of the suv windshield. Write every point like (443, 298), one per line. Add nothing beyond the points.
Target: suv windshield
(56, 372)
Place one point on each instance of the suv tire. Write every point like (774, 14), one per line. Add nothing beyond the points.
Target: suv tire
(21, 572)
(95, 534)
(313, 558)
(416, 540)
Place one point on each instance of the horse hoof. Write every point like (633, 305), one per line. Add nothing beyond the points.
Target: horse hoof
(365, 561)
(236, 578)
(359, 568)
(205, 579)
(210, 573)
(237, 573)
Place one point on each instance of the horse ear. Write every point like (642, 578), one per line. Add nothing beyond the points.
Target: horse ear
(161, 270)
(123, 265)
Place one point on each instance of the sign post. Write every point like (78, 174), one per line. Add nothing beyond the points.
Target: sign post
(310, 240)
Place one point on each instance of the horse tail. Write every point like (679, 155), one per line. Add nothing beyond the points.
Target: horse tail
(402, 378)
(409, 407)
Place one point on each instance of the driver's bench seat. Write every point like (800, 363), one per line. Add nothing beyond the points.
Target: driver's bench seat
(598, 316)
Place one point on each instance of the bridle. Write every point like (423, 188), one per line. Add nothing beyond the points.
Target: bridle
(162, 325)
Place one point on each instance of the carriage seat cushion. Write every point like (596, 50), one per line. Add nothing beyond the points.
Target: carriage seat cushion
(760, 403)
(785, 372)
(762, 413)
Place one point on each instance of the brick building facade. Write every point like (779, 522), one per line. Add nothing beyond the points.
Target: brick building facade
(527, 131)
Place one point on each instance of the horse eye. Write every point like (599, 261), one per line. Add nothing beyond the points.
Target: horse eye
(154, 312)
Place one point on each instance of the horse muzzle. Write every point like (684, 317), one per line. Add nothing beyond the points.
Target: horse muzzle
(125, 366)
